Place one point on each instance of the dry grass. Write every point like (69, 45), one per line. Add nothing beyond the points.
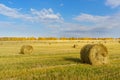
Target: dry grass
(58, 61)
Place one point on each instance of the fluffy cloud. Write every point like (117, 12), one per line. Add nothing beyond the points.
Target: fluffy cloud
(4, 10)
(90, 18)
(100, 21)
(44, 15)
(94, 26)
(113, 3)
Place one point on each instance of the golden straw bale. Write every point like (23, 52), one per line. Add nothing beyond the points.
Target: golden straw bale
(95, 54)
(26, 49)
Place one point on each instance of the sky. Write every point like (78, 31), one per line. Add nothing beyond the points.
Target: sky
(60, 18)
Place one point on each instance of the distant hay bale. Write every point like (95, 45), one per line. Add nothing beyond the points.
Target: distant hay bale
(92, 42)
(75, 46)
(26, 49)
(95, 54)
(118, 41)
(105, 42)
(49, 43)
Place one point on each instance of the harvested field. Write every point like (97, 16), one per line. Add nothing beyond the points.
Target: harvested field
(58, 61)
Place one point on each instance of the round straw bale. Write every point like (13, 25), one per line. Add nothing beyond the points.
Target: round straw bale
(84, 53)
(75, 45)
(118, 41)
(26, 49)
(95, 54)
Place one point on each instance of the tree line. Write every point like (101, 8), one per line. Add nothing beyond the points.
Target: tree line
(50, 38)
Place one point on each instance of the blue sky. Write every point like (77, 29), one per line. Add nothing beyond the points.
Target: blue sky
(60, 18)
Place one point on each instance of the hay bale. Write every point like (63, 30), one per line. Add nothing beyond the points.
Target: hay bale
(95, 54)
(49, 43)
(84, 53)
(118, 41)
(26, 49)
(75, 46)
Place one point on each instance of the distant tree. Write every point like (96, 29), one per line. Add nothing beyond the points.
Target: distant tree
(63, 38)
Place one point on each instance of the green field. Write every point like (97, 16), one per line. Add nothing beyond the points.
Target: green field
(55, 60)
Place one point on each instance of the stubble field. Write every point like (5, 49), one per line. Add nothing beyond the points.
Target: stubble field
(55, 60)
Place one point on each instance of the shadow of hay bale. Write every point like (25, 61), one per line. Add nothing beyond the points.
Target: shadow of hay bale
(26, 49)
(76, 60)
(95, 54)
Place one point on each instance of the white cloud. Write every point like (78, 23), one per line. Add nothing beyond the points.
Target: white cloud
(93, 26)
(44, 15)
(90, 18)
(100, 21)
(113, 3)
